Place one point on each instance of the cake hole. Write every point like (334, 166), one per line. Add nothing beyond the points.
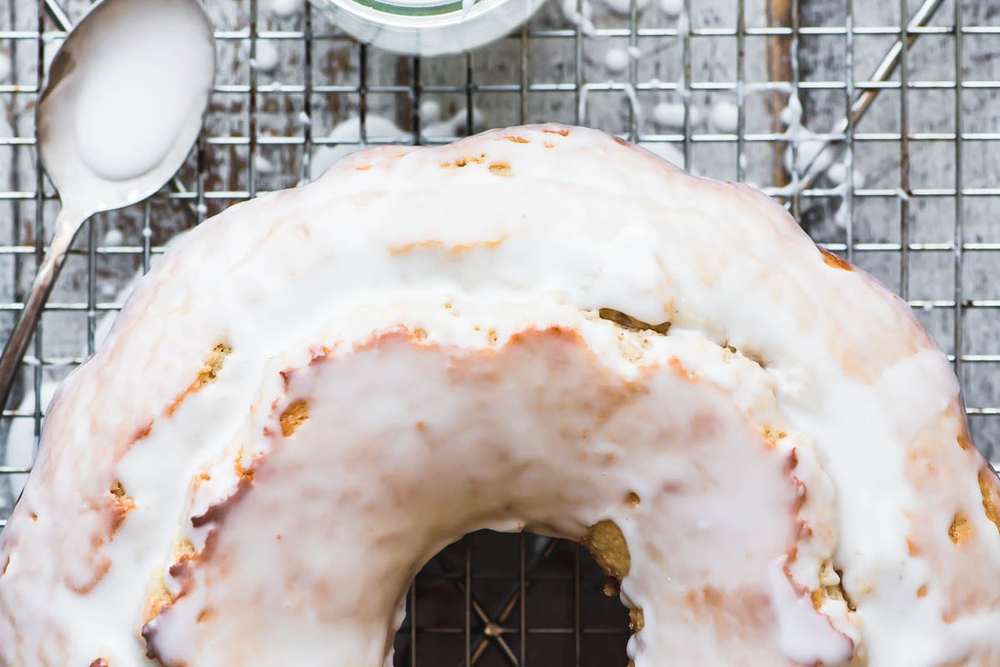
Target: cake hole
(755, 357)
(121, 504)
(296, 414)
(748, 354)
(404, 248)
(836, 261)
(606, 543)
(208, 373)
(922, 591)
(629, 322)
(213, 364)
(142, 432)
(988, 490)
(559, 577)
(464, 161)
(157, 598)
(246, 474)
(773, 435)
(960, 529)
(184, 548)
(633, 499)
(964, 441)
(636, 620)
(500, 169)
(841, 592)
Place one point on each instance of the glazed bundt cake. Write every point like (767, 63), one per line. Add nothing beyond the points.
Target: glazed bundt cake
(538, 328)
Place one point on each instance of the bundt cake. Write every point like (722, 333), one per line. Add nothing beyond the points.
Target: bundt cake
(537, 328)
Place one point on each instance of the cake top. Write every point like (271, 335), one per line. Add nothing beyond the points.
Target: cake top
(470, 245)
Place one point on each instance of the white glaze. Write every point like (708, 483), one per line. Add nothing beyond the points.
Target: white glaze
(5, 65)
(135, 95)
(580, 14)
(435, 288)
(724, 116)
(113, 237)
(804, 637)
(286, 8)
(623, 7)
(453, 126)
(349, 132)
(666, 151)
(696, 116)
(806, 150)
(616, 60)
(262, 164)
(430, 111)
(20, 446)
(789, 115)
(267, 56)
(837, 174)
(122, 104)
(672, 7)
(670, 114)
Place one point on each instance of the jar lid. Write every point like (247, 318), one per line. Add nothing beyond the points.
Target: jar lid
(428, 27)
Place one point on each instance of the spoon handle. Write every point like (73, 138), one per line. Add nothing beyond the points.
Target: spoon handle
(67, 224)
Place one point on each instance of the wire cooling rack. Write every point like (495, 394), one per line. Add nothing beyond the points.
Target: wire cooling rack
(872, 121)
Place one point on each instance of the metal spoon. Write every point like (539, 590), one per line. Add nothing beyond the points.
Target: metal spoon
(119, 112)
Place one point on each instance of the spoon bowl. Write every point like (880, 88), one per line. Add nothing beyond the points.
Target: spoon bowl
(121, 107)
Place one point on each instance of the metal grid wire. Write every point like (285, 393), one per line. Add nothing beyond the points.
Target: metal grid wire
(918, 207)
